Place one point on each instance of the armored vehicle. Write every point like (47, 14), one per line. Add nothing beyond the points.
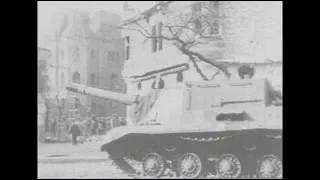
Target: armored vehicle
(226, 128)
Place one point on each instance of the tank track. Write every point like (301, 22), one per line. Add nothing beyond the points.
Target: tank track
(133, 168)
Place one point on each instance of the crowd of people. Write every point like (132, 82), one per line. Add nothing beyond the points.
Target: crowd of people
(92, 126)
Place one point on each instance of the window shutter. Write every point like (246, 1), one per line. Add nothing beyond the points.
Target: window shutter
(127, 47)
(128, 53)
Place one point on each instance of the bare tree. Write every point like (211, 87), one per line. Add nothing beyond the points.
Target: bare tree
(196, 24)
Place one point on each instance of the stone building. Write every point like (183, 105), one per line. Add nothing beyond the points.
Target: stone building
(43, 57)
(247, 33)
(88, 51)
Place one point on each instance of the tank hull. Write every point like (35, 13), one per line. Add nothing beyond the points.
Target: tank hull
(249, 145)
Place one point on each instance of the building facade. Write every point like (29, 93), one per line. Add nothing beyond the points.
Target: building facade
(44, 56)
(247, 33)
(88, 51)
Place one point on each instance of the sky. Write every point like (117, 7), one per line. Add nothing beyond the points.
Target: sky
(48, 11)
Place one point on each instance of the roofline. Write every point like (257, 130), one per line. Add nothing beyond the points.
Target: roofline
(140, 16)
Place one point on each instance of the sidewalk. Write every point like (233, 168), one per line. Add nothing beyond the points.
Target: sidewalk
(67, 153)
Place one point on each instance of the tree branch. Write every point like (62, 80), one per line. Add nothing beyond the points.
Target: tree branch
(197, 68)
(143, 28)
(213, 63)
(184, 47)
(137, 30)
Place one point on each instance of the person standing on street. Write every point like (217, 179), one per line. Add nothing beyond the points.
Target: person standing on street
(75, 132)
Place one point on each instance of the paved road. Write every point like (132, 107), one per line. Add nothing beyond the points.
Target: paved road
(68, 148)
(102, 170)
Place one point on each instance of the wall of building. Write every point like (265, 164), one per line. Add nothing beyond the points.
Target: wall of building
(252, 29)
(88, 35)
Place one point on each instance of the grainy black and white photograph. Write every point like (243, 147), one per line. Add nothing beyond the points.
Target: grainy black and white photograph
(160, 89)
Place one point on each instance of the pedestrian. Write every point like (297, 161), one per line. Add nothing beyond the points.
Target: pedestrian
(115, 120)
(93, 124)
(53, 126)
(87, 126)
(75, 132)
(96, 126)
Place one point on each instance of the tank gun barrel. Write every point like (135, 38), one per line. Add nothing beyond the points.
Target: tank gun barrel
(105, 94)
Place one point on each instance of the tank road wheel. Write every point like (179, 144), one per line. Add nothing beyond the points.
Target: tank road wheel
(153, 165)
(189, 165)
(228, 166)
(269, 166)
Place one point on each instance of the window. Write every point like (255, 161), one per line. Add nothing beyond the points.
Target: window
(114, 76)
(105, 55)
(139, 86)
(179, 77)
(77, 103)
(75, 54)
(113, 81)
(160, 34)
(154, 40)
(76, 77)
(111, 56)
(98, 54)
(74, 107)
(128, 39)
(92, 54)
(62, 54)
(92, 80)
(117, 56)
(62, 79)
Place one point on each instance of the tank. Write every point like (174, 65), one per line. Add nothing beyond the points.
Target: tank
(226, 129)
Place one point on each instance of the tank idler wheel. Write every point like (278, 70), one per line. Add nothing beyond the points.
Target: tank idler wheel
(189, 165)
(153, 165)
(228, 166)
(269, 166)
